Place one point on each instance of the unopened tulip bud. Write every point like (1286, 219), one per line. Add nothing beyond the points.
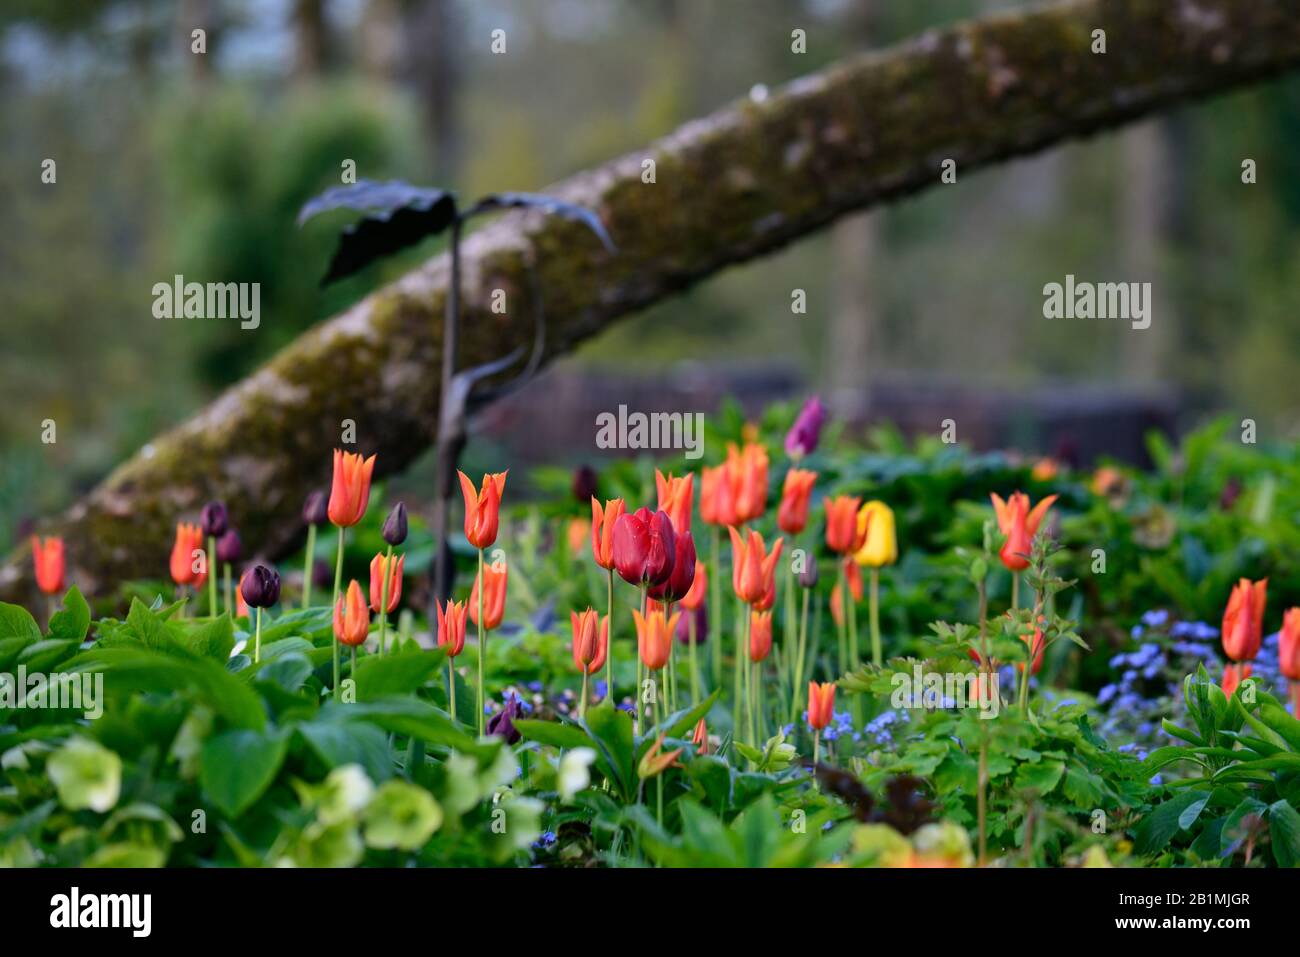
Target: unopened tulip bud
(260, 587)
(214, 520)
(315, 511)
(584, 483)
(229, 547)
(395, 525)
(808, 574)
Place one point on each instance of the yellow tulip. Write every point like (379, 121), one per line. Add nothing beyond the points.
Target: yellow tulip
(881, 545)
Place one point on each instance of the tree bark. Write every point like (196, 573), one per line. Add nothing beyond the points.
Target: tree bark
(729, 187)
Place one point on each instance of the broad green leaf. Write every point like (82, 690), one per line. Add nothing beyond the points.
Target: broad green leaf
(73, 621)
(379, 676)
(555, 733)
(1284, 826)
(17, 622)
(611, 729)
(1041, 777)
(1156, 829)
(44, 655)
(238, 767)
(408, 716)
(338, 743)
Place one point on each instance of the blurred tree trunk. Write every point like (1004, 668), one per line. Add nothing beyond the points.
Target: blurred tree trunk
(431, 55)
(1143, 217)
(381, 41)
(729, 187)
(311, 39)
(198, 14)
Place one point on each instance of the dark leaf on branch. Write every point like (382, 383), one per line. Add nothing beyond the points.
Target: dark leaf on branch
(398, 215)
(548, 204)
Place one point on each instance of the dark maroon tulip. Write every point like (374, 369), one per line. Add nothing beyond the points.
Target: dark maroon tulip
(260, 587)
(315, 511)
(502, 724)
(644, 547)
(701, 618)
(584, 484)
(676, 585)
(395, 525)
(807, 429)
(214, 520)
(808, 577)
(322, 573)
(229, 547)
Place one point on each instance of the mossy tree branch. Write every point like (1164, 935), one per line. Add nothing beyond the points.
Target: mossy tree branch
(729, 187)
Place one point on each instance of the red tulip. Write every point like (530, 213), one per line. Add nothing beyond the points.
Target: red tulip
(1243, 620)
(494, 597)
(644, 547)
(350, 493)
(842, 531)
(760, 635)
(792, 514)
(1019, 523)
(351, 616)
(451, 627)
(654, 637)
(590, 640)
(678, 585)
(676, 496)
(752, 568)
(377, 582)
(48, 556)
(603, 521)
(749, 480)
(821, 702)
(482, 508)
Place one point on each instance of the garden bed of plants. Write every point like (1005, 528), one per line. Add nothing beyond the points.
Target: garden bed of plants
(809, 651)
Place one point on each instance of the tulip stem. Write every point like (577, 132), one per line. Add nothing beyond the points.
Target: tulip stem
(791, 639)
(981, 796)
(338, 584)
(482, 644)
(1015, 589)
(715, 606)
(451, 686)
(875, 617)
(749, 681)
(640, 668)
(799, 660)
(740, 658)
(308, 560)
(840, 626)
(851, 613)
(212, 576)
(695, 669)
(230, 606)
(817, 748)
(257, 638)
(383, 601)
(582, 705)
(609, 642)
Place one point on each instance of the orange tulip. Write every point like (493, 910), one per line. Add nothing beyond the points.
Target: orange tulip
(602, 530)
(1019, 523)
(350, 493)
(701, 737)
(752, 568)
(482, 508)
(854, 575)
(760, 635)
(749, 480)
(676, 496)
(792, 515)
(769, 596)
(377, 582)
(48, 556)
(451, 627)
(494, 597)
(351, 616)
(654, 637)
(843, 534)
(1037, 647)
(590, 640)
(186, 549)
(1234, 675)
(1243, 620)
(653, 763)
(578, 531)
(694, 598)
(1045, 469)
(821, 702)
(717, 497)
(241, 606)
(1288, 645)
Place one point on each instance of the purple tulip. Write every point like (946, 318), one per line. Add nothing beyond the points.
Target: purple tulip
(229, 547)
(502, 724)
(315, 511)
(584, 484)
(260, 587)
(803, 436)
(395, 525)
(214, 520)
(701, 618)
